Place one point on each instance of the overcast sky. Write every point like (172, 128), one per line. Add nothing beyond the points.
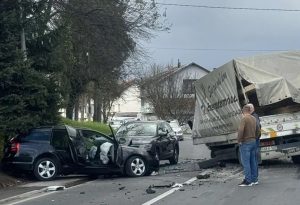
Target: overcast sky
(232, 33)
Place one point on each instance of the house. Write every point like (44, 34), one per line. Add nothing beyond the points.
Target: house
(128, 105)
(176, 84)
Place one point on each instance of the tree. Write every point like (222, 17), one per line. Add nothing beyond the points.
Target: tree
(162, 89)
(104, 34)
(100, 44)
(28, 97)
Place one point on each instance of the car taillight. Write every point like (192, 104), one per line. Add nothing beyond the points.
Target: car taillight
(15, 147)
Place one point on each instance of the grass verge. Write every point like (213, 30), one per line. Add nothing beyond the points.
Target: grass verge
(97, 126)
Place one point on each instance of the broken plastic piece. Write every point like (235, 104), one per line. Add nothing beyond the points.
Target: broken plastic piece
(55, 188)
(177, 185)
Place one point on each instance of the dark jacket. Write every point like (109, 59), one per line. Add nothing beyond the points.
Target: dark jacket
(258, 125)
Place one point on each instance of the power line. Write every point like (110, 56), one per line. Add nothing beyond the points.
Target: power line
(217, 49)
(228, 7)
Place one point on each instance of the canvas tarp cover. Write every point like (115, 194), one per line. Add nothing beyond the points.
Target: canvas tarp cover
(275, 76)
(217, 112)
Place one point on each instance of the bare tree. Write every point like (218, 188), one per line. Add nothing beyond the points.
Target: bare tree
(164, 92)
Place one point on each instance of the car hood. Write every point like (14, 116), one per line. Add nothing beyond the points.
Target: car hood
(138, 140)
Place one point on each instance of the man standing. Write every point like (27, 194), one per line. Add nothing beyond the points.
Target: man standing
(258, 135)
(247, 141)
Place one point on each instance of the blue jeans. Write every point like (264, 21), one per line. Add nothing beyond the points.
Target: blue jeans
(258, 159)
(248, 153)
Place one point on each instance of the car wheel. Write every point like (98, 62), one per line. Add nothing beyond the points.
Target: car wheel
(174, 158)
(45, 169)
(136, 167)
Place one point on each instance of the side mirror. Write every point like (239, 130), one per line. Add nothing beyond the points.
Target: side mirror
(122, 140)
(162, 133)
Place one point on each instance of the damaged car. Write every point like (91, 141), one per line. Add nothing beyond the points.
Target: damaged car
(156, 137)
(60, 150)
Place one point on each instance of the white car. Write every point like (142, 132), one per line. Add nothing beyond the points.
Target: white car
(115, 124)
(177, 129)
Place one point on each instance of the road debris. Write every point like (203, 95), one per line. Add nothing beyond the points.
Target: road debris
(203, 176)
(154, 173)
(82, 192)
(55, 188)
(149, 190)
(121, 188)
(163, 185)
(177, 185)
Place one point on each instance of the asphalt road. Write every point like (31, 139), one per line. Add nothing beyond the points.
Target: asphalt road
(279, 184)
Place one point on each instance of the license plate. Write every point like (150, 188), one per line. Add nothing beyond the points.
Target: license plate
(269, 148)
(291, 150)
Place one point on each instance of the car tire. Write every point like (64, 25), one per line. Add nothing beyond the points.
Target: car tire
(45, 169)
(136, 166)
(174, 158)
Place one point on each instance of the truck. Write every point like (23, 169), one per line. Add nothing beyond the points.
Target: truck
(271, 82)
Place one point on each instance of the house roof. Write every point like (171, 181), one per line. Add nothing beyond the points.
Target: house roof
(172, 71)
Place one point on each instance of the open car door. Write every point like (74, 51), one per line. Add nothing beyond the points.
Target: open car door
(119, 151)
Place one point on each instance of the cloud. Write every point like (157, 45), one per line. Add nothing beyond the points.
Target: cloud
(230, 32)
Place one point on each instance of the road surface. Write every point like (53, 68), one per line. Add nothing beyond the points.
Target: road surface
(279, 184)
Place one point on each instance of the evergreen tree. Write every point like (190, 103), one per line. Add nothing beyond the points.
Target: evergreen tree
(28, 97)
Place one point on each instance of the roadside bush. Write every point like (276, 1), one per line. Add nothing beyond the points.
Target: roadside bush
(100, 127)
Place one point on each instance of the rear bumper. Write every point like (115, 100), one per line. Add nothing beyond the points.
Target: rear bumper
(9, 165)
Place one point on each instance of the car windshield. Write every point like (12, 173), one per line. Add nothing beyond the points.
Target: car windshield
(137, 129)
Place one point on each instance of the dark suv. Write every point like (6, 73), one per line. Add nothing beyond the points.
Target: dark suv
(154, 136)
(50, 151)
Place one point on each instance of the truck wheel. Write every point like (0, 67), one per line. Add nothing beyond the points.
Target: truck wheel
(296, 159)
(174, 158)
(136, 167)
(45, 169)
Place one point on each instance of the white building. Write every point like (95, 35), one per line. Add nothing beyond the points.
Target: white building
(184, 77)
(129, 104)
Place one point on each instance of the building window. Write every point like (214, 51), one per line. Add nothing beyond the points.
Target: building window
(188, 86)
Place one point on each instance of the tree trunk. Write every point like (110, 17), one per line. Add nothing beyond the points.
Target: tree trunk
(76, 110)
(96, 107)
(104, 111)
(69, 111)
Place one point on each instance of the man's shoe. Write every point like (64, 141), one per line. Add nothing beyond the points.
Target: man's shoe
(255, 183)
(245, 183)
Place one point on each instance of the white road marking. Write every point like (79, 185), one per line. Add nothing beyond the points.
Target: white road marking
(30, 196)
(171, 191)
